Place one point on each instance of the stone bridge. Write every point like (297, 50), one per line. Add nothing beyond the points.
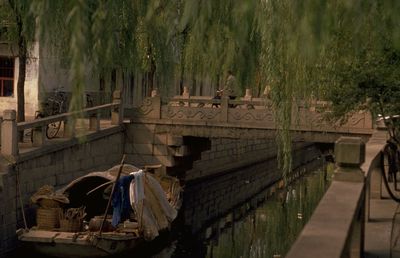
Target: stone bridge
(251, 118)
(194, 138)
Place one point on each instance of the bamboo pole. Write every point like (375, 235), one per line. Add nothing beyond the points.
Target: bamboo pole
(111, 195)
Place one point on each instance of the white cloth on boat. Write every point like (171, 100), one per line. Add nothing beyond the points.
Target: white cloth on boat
(154, 213)
(139, 185)
(167, 209)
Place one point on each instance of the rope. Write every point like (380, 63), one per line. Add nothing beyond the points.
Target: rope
(20, 197)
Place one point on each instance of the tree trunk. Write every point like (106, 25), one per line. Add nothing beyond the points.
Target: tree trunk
(150, 77)
(22, 54)
(182, 64)
(21, 79)
(102, 88)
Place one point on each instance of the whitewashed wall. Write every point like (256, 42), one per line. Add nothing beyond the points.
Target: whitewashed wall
(31, 80)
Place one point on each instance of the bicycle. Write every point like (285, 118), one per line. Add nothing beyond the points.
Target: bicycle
(391, 161)
(54, 105)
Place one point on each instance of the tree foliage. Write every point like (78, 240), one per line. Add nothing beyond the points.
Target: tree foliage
(339, 50)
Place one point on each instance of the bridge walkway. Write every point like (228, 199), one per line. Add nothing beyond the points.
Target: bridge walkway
(378, 229)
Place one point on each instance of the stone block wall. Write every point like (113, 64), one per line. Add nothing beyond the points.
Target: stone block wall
(206, 200)
(220, 172)
(55, 168)
(210, 199)
(226, 154)
(145, 146)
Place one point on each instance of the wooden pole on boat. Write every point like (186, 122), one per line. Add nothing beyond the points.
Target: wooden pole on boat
(111, 195)
(100, 186)
(20, 199)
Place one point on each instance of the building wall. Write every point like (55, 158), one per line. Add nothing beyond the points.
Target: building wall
(55, 74)
(31, 80)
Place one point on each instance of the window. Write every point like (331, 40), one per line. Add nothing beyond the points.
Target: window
(6, 77)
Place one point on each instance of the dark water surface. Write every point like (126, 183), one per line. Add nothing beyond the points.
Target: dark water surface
(263, 226)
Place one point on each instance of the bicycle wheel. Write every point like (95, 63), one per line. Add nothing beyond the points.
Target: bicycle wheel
(391, 165)
(53, 129)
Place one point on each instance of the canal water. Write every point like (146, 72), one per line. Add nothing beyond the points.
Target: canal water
(265, 225)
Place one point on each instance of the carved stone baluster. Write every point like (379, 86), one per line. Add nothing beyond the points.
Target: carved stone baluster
(9, 140)
(94, 121)
(39, 136)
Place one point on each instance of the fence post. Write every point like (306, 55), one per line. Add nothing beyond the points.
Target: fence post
(9, 139)
(154, 93)
(94, 122)
(39, 136)
(185, 92)
(248, 95)
(117, 112)
(69, 127)
(349, 155)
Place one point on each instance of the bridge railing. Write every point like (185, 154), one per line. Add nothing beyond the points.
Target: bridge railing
(10, 129)
(246, 112)
(336, 228)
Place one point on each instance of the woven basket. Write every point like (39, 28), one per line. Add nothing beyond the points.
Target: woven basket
(70, 225)
(48, 203)
(48, 218)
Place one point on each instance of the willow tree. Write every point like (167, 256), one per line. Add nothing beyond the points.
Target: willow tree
(301, 49)
(108, 35)
(338, 50)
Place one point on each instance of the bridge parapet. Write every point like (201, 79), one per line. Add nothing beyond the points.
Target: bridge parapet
(244, 113)
(11, 146)
(336, 228)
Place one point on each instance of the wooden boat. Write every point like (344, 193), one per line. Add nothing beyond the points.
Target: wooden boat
(88, 240)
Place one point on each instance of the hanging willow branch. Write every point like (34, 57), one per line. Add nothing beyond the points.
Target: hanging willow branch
(327, 49)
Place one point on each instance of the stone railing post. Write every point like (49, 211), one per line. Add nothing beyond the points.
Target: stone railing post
(248, 95)
(117, 112)
(156, 107)
(185, 93)
(69, 127)
(349, 155)
(154, 93)
(39, 136)
(9, 139)
(94, 122)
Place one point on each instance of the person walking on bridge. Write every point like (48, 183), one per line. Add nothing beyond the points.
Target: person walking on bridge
(230, 86)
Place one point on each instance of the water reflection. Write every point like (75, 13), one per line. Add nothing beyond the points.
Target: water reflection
(257, 228)
(264, 226)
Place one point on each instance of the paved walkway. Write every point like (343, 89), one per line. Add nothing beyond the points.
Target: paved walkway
(378, 229)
